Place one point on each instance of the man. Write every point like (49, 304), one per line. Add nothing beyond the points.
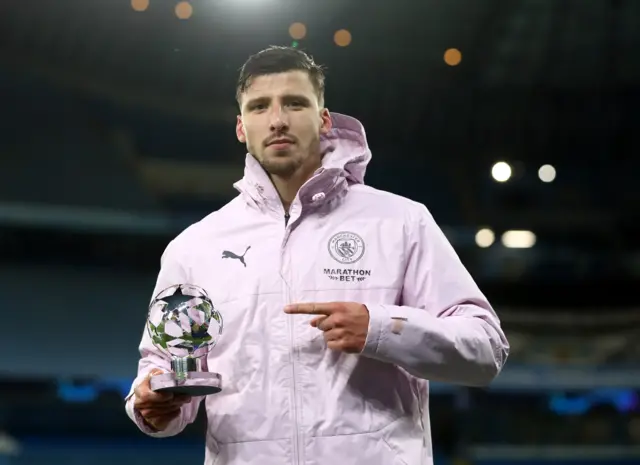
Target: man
(347, 300)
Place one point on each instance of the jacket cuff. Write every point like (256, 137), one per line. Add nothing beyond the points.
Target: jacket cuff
(379, 319)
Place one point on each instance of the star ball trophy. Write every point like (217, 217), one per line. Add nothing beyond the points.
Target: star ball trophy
(184, 324)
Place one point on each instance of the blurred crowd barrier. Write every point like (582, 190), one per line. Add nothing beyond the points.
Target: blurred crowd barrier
(602, 337)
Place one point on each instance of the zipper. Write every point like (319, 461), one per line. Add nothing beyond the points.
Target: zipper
(293, 397)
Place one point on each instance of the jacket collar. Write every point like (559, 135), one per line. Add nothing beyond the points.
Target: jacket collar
(345, 158)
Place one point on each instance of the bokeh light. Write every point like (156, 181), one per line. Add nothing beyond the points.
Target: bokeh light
(453, 57)
(485, 238)
(518, 239)
(547, 173)
(184, 10)
(501, 171)
(297, 31)
(342, 38)
(139, 5)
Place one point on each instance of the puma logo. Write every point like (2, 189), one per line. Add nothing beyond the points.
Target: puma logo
(228, 254)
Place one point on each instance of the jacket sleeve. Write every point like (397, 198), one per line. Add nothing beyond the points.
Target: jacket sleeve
(445, 330)
(171, 272)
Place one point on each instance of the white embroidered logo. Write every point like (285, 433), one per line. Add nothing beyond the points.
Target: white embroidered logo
(346, 247)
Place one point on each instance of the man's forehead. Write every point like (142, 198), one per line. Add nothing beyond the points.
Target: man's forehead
(296, 82)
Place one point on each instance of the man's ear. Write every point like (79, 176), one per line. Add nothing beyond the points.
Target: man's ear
(242, 137)
(326, 124)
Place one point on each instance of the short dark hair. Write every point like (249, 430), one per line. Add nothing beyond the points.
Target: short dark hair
(278, 59)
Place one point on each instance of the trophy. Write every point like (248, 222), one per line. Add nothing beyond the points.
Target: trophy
(184, 324)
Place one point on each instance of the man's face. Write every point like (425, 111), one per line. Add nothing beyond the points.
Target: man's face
(281, 122)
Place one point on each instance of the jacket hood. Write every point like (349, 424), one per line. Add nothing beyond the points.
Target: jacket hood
(346, 155)
(345, 148)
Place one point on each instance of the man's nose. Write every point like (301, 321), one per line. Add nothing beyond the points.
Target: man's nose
(278, 119)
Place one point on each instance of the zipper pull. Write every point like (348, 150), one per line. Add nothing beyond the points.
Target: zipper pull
(286, 218)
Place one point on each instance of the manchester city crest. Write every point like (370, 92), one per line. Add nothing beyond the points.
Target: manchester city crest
(346, 247)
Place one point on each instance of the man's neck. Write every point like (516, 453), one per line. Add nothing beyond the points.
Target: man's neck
(288, 187)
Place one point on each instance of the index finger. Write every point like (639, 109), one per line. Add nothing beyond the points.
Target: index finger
(311, 309)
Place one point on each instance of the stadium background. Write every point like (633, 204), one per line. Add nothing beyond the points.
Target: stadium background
(515, 121)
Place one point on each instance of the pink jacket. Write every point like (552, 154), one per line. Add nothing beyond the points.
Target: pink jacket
(286, 398)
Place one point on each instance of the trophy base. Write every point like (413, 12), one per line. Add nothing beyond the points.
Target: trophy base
(193, 383)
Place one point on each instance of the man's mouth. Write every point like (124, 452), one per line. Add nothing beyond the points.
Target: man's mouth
(280, 144)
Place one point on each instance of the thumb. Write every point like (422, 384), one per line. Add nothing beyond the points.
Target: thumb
(147, 386)
(317, 320)
(155, 371)
(144, 385)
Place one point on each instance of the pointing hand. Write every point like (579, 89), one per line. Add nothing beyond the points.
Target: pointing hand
(344, 324)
